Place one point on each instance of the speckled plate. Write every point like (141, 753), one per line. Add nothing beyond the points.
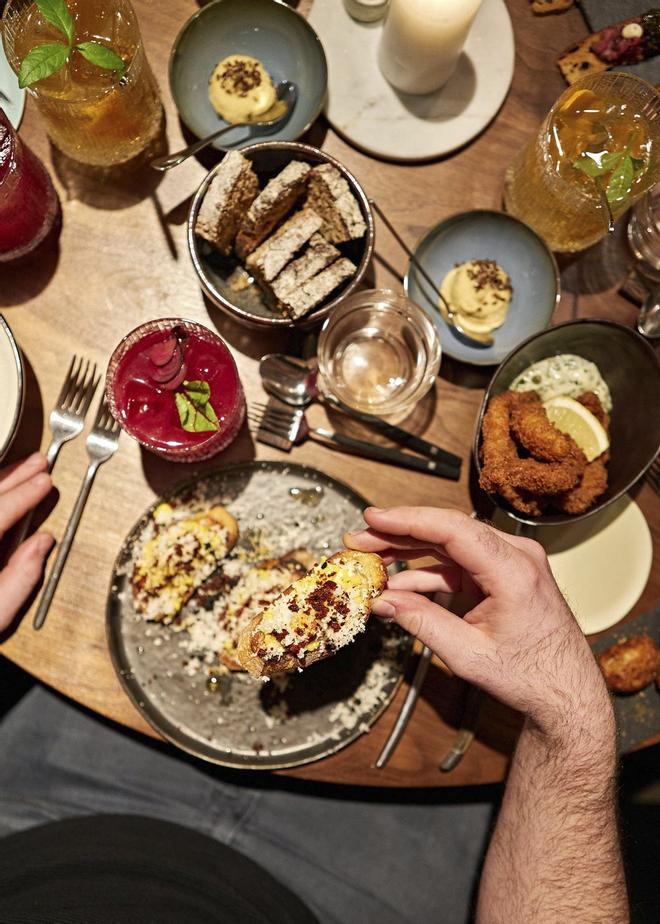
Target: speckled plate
(238, 722)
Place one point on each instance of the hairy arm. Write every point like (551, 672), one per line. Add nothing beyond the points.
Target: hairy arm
(554, 856)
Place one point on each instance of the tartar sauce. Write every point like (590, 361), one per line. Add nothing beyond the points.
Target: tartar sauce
(565, 374)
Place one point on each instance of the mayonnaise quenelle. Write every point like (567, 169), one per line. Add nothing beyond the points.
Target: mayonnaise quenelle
(479, 293)
(241, 89)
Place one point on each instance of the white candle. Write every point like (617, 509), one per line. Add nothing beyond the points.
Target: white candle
(422, 41)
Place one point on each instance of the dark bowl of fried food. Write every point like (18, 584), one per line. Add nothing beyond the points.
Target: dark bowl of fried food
(561, 440)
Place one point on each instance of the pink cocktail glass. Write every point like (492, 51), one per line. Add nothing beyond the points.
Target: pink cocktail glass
(28, 202)
(152, 365)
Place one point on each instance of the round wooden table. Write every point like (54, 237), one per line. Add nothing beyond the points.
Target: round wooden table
(122, 259)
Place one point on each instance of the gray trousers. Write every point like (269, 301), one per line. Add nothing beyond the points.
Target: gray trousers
(353, 857)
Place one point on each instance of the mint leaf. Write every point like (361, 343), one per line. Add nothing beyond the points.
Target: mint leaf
(56, 12)
(595, 168)
(620, 183)
(41, 62)
(102, 56)
(195, 409)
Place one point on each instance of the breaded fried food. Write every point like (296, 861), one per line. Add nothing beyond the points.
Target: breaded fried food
(534, 432)
(503, 468)
(182, 553)
(591, 401)
(314, 617)
(631, 664)
(591, 485)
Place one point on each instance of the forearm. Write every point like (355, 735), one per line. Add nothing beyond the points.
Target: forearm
(554, 855)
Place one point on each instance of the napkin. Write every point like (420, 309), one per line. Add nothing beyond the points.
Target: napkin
(601, 13)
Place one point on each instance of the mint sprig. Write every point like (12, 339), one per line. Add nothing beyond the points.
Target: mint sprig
(195, 409)
(622, 167)
(45, 60)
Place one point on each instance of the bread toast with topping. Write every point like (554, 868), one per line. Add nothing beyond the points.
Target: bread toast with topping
(180, 555)
(315, 616)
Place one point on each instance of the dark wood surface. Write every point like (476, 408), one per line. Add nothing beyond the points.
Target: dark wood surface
(122, 259)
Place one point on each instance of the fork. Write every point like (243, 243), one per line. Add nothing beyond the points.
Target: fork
(66, 420)
(282, 427)
(653, 475)
(102, 443)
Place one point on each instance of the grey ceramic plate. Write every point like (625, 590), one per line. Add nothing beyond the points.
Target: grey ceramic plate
(488, 235)
(631, 369)
(269, 30)
(215, 272)
(240, 722)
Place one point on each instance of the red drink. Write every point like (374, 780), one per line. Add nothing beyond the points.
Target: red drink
(173, 385)
(28, 201)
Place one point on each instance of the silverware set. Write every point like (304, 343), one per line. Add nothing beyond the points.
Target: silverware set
(66, 422)
(283, 427)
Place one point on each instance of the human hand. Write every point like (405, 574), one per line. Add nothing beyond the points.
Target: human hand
(519, 641)
(22, 487)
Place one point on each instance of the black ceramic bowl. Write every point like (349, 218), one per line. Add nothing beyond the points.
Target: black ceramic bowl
(631, 369)
(214, 272)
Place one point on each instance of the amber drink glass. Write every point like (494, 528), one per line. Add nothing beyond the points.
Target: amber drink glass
(596, 153)
(91, 114)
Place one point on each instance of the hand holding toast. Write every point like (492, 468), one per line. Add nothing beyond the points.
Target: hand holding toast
(518, 639)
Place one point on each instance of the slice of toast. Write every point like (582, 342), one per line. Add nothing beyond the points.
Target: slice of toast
(275, 200)
(318, 254)
(314, 617)
(311, 293)
(330, 196)
(627, 42)
(228, 197)
(180, 555)
(279, 249)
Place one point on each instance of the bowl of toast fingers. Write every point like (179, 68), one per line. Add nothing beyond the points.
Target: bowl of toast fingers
(279, 233)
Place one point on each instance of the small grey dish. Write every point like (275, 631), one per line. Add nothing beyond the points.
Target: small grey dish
(215, 272)
(12, 383)
(269, 30)
(488, 235)
(631, 369)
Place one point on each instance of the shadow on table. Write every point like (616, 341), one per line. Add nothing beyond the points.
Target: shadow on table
(599, 268)
(24, 279)
(116, 187)
(163, 475)
(255, 342)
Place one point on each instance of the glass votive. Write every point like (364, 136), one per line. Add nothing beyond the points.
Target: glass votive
(379, 353)
(644, 233)
(173, 386)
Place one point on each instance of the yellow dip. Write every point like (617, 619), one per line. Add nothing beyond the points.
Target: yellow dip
(241, 89)
(479, 292)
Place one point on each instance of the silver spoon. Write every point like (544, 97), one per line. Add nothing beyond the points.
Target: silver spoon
(287, 93)
(648, 322)
(294, 381)
(484, 339)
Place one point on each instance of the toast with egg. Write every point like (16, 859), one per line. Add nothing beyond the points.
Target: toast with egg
(314, 617)
(182, 552)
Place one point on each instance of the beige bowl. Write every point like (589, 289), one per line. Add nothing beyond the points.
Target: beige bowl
(249, 307)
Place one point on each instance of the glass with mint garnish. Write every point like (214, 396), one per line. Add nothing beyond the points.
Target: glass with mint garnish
(84, 64)
(596, 153)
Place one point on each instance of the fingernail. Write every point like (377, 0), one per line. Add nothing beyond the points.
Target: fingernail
(44, 543)
(355, 532)
(375, 509)
(34, 459)
(384, 609)
(42, 480)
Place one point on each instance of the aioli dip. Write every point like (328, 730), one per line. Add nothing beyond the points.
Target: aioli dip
(565, 374)
(241, 89)
(479, 292)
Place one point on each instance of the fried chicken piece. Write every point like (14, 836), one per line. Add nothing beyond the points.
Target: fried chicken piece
(631, 664)
(504, 470)
(591, 401)
(532, 429)
(592, 484)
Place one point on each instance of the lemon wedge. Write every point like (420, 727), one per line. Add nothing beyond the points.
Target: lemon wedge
(573, 418)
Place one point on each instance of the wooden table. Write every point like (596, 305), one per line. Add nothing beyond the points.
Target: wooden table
(122, 259)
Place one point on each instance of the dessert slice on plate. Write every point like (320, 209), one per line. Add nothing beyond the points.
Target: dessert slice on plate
(314, 617)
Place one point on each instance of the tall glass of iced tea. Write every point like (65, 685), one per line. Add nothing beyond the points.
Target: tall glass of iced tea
(92, 114)
(596, 153)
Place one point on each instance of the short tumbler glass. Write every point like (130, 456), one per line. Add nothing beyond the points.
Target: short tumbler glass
(378, 353)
